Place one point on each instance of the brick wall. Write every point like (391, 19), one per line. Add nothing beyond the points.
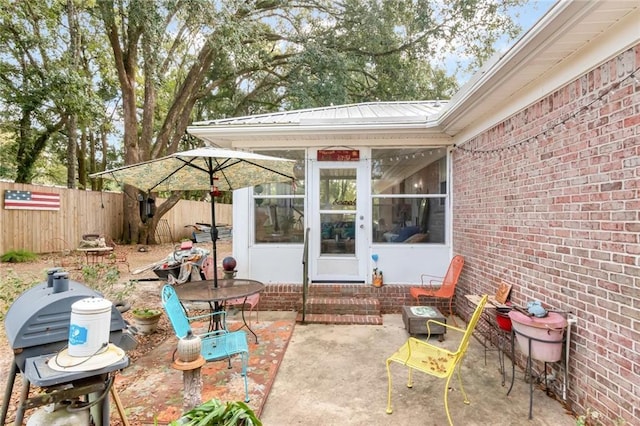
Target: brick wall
(549, 200)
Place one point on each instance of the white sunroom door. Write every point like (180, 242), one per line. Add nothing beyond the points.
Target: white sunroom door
(339, 235)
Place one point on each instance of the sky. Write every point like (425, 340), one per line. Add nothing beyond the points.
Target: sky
(526, 16)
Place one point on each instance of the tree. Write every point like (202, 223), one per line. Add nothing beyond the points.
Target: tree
(31, 76)
(176, 61)
(243, 57)
(48, 87)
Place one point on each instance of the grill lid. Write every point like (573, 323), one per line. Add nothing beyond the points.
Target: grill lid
(41, 315)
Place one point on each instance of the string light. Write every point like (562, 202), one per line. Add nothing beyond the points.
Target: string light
(561, 125)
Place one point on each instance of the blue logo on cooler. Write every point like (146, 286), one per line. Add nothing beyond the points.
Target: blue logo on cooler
(77, 335)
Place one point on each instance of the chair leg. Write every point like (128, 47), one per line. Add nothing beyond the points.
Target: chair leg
(245, 361)
(446, 400)
(389, 409)
(453, 318)
(464, 394)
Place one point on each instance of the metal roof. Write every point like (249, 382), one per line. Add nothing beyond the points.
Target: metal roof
(364, 113)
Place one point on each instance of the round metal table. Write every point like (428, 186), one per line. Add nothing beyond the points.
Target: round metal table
(206, 291)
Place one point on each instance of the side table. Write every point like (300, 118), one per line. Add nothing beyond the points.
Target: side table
(415, 320)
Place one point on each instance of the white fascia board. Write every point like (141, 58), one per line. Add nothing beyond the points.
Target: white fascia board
(253, 143)
(624, 35)
(302, 129)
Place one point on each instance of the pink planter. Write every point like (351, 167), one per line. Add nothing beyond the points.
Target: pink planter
(545, 334)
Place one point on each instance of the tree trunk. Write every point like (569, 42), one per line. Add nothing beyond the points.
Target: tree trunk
(72, 123)
(71, 152)
(131, 222)
(192, 381)
(82, 160)
(28, 149)
(104, 146)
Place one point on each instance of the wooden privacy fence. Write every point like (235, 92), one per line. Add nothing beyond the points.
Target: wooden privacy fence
(86, 212)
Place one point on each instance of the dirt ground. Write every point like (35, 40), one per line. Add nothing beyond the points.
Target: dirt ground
(145, 293)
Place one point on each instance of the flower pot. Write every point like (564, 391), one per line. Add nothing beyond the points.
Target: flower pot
(377, 281)
(188, 349)
(503, 320)
(145, 321)
(543, 335)
(229, 275)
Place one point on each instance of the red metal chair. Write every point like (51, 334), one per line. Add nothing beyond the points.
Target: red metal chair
(251, 300)
(446, 286)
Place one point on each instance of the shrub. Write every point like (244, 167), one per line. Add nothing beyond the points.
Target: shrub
(104, 279)
(18, 256)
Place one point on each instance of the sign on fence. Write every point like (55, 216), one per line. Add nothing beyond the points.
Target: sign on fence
(31, 200)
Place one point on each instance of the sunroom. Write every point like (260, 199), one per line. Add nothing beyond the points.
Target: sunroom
(371, 188)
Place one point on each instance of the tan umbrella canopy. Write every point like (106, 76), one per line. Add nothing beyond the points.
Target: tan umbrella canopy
(204, 168)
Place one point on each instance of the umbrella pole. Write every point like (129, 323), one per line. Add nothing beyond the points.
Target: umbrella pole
(214, 238)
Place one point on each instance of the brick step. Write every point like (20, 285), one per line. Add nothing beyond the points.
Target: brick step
(343, 305)
(346, 319)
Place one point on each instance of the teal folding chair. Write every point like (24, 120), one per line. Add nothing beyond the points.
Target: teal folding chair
(216, 345)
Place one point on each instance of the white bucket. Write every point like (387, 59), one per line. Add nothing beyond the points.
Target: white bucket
(89, 327)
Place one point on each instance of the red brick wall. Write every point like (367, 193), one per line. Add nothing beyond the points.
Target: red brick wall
(549, 200)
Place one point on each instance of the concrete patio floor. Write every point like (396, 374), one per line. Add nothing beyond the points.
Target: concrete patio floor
(335, 375)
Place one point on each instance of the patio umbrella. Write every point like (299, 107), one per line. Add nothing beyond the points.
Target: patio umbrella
(204, 169)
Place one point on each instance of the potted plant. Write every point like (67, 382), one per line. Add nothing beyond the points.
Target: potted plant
(215, 412)
(145, 320)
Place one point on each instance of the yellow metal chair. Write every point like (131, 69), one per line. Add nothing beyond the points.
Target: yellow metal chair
(434, 360)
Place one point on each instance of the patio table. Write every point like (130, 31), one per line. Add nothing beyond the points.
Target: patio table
(95, 254)
(231, 288)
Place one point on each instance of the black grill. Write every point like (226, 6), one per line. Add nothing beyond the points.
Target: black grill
(37, 324)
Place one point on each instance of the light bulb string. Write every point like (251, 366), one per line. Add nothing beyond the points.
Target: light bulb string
(560, 124)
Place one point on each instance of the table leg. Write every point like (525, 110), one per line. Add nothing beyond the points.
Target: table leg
(501, 357)
(214, 320)
(530, 369)
(244, 320)
(513, 362)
